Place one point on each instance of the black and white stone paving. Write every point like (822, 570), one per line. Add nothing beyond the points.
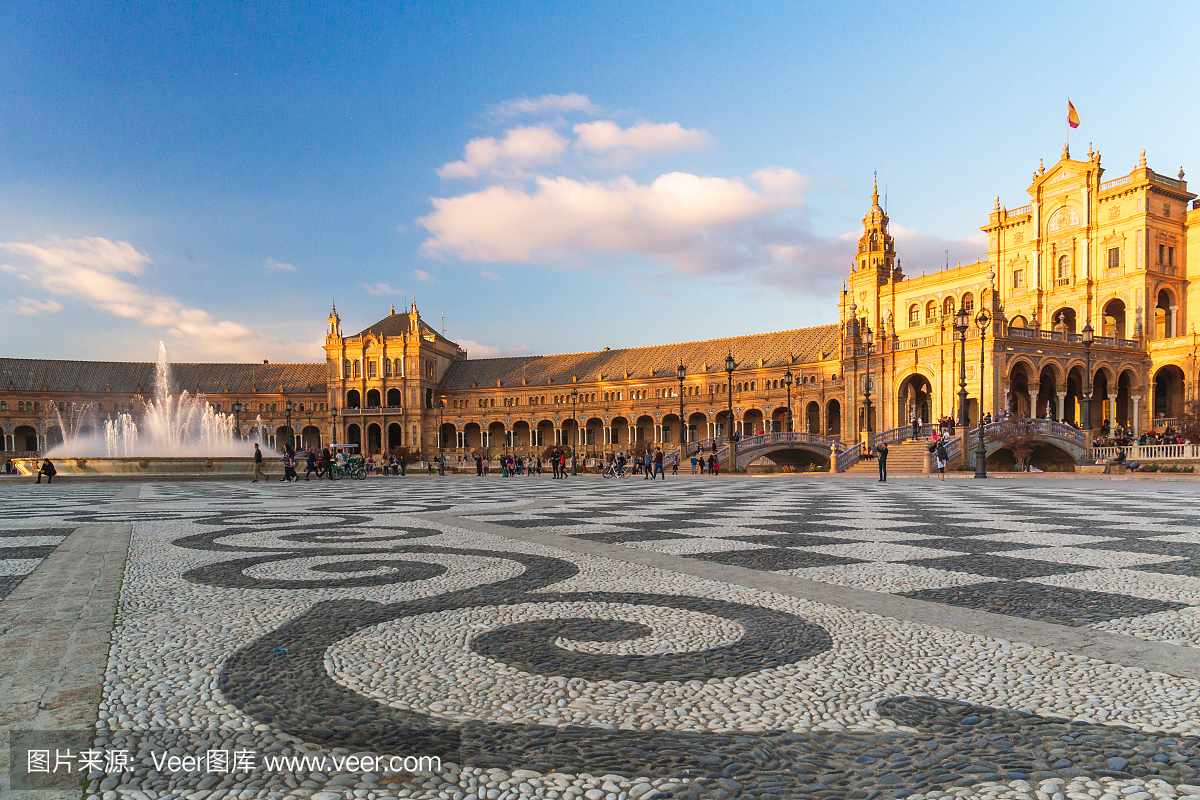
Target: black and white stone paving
(359, 618)
(22, 549)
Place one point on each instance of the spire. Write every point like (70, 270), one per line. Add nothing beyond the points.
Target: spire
(1066, 151)
(393, 311)
(1142, 160)
(875, 190)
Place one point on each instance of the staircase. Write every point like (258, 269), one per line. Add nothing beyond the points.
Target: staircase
(906, 456)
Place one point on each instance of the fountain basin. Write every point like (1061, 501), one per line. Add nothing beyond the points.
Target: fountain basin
(152, 467)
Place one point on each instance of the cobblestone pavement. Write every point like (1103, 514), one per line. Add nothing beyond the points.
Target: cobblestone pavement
(476, 621)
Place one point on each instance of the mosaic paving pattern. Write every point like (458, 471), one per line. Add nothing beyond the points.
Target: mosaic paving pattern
(336, 618)
(21, 550)
(1034, 552)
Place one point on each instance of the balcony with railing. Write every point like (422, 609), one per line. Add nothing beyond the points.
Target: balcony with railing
(1070, 338)
(1115, 182)
(1165, 181)
(1019, 212)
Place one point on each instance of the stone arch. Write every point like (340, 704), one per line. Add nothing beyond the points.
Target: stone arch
(25, 437)
(1127, 386)
(1168, 394)
(812, 417)
(931, 311)
(353, 434)
(779, 419)
(833, 418)
(698, 426)
(353, 399)
(496, 430)
(1064, 315)
(393, 399)
(948, 306)
(914, 398)
(310, 437)
(643, 428)
(373, 398)
(752, 421)
(1165, 313)
(968, 302)
(395, 436)
(473, 435)
(1021, 374)
(593, 432)
(374, 438)
(1112, 319)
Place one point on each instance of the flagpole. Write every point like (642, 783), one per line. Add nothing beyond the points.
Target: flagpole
(1068, 123)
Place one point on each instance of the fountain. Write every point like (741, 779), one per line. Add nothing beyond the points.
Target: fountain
(180, 435)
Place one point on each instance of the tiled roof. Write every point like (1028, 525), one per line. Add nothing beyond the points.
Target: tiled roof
(392, 325)
(123, 377)
(803, 345)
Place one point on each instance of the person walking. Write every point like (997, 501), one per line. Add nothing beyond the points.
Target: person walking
(648, 466)
(478, 465)
(562, 464)
(658, 464)
(881, 450)
(310, 466)
(48, 470)
(289, 465)
(258, 464)
(916, 427)
(942, 458)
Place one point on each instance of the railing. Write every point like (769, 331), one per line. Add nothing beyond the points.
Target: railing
(1016, 212)
(908, 344)
(1165, 422)
(372, 410)
(1165, 181)
(1060, 282)
(703, 444)
(900, 434)
(1116, 182)
(787, 437)
(1148, 452)
(1072, 338)
(848, 456)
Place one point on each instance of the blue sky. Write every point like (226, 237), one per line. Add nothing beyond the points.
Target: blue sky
(555, 176)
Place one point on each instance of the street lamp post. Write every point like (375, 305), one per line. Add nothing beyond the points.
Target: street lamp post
(441, 434)
(287, 413)
(237, 417)
(787, 382)
(867, 391)
(981, 449)
(574, 432)
(1085, 402)
(333, 410)
(681, 373)
(731, 444)
(310, 405)
(962, 323)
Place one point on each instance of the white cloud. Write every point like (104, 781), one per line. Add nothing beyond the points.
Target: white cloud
(422, 275)
(490, 275)
(546, 104)
(605, 136)
(29, 307)
(280, 266)
(378, 289)
(520, 148)
(477, 350)
(921, 252)
(686, 220)
(90, 269)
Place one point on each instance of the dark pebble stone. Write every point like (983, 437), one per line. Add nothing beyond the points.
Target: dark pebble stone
(1117, 763)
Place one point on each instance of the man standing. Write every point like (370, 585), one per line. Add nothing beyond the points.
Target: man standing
(258, 467)
(648, 465)
(881, 450)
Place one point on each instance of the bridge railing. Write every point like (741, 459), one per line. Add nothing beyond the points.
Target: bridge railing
(786, 437)
(903, 433)
(847, 457)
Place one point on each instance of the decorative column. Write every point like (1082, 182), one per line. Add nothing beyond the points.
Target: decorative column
(1033, 396)
(1112, 411)
(1062, 402)
(1137, 417)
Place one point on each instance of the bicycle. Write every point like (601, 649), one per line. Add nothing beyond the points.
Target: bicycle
(351, 469)
(614, 470)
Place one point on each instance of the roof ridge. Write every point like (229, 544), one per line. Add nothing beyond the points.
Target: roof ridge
(668, 344)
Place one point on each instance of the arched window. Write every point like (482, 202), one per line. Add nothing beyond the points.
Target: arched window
(357, 368)
(1064, 267)
(968, 303)
(914, 315)
(387, 368)
(948, 307)
(931, 309)
(346, 373)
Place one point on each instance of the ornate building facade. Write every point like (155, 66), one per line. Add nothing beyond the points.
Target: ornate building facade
(1116, 255)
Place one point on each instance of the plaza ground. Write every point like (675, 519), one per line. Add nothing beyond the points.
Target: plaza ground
(599, 639)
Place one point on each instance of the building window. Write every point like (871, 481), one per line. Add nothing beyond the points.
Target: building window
(914, 315)
(372, 368)
(1166, 209)
(387, 367)
(1162, 254)
(968, 303)
(931, 311)
(948, 307)
(1114, 258)
(1064, 267)
(1170, 256)
(1018, 279)
(357, 368)
(346, 373)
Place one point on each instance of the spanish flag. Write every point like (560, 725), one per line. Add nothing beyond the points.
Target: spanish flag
(1072, 114)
